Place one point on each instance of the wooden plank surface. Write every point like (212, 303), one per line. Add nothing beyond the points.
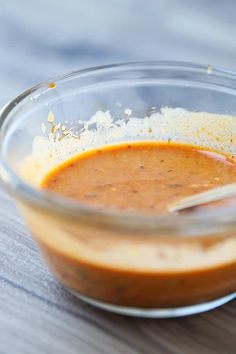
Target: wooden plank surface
(40, 39)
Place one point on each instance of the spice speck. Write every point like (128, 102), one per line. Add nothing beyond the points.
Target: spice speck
(50, 117)
(52, 85)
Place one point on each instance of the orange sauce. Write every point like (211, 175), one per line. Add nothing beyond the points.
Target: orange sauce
(143, 177)
(140, 176)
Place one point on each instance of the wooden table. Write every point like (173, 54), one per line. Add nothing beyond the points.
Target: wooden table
(38, 316)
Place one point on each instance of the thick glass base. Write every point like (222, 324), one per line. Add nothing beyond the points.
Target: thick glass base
(156, 313)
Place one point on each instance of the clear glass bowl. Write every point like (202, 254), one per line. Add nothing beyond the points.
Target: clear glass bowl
(107, 258)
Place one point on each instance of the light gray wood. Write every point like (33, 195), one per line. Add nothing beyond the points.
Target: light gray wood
(40, 39)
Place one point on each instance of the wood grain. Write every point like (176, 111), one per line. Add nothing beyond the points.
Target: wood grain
(38, 316)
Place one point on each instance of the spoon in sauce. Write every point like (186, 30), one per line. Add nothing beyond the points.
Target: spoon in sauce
(212, 195)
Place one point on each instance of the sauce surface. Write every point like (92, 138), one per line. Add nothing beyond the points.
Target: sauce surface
(138, 270)
(144, 177)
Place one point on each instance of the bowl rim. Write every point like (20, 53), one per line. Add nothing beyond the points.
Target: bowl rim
(194, 222)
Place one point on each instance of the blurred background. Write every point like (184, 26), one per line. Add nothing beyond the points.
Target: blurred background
(41, 39)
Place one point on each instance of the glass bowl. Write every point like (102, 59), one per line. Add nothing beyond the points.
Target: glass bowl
(128, 263)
